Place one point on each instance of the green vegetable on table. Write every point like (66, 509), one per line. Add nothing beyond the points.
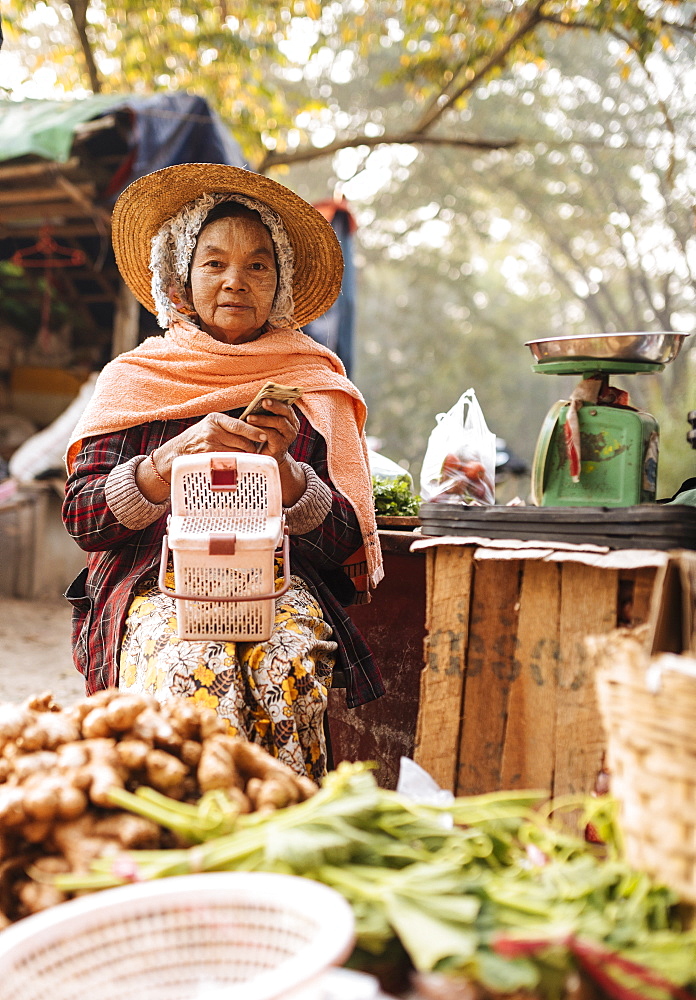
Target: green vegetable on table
(485, 888)
(394, 498)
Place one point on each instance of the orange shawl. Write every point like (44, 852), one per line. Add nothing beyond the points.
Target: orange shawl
(186, 373)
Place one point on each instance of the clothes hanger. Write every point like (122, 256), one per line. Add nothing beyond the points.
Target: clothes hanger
(50, 255)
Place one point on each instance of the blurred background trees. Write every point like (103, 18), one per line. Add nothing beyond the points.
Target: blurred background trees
(517, 170)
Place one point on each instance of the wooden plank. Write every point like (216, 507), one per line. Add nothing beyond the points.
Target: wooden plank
(57, 231)
(430, 565)
(47, 212)
(448, 582)
(659, 537)
(528, 751)
(589, 606)
(83, 194)
(126, 322)
(665, 634)
(23, 171)
(638, 515)
(491, 668)
(33, 195)
(687, 573)
(85, 129)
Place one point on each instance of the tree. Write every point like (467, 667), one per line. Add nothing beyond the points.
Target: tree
(467, 255)
(535, 164)
(271, 67)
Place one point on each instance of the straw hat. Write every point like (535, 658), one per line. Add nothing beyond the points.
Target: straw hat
(147, 203)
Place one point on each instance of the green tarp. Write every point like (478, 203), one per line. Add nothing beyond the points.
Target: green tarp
(45, 128)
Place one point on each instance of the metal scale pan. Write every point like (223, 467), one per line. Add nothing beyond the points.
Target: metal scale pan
(633, 350)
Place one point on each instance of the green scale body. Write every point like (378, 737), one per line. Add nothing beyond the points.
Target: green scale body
(618, 448)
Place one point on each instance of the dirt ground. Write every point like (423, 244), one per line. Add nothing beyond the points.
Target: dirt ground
(35, 653)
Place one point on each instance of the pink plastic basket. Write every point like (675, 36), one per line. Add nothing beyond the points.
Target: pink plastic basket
(223, 532)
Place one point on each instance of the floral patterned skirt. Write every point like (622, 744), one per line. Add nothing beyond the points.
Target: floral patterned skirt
(274, 692)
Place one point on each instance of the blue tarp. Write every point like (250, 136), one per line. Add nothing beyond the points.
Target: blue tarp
(336, 328)
(176, 128)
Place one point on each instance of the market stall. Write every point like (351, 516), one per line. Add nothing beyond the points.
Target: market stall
(493, 864)
(62, 166)
(507, 694)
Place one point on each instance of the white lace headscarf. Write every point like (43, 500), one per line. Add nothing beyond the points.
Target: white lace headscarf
(172, 250)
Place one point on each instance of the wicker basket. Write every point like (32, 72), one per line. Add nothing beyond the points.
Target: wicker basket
(213, 936)
(648, 705)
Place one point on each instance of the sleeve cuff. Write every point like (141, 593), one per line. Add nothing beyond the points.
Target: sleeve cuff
(126, 502)
(311, 509)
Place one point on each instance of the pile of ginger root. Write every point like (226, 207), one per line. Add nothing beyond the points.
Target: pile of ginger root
(57, 766)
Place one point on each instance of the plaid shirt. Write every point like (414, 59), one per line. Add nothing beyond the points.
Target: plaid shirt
(119, 557)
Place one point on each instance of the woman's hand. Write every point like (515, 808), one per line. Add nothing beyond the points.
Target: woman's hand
(279, 424)
(270, 433)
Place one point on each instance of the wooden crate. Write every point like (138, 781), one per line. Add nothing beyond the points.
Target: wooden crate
(507, 696)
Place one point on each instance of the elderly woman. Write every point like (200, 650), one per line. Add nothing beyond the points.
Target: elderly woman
(232, 263)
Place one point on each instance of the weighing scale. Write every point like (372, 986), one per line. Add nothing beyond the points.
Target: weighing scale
(596, 449)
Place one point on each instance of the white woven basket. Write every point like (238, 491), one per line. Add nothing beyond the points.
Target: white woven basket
(212, 936)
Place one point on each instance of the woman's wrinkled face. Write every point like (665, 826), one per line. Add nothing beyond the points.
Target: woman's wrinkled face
(233, 278)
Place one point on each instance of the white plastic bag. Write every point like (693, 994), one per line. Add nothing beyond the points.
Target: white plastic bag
(45, 450)
(416, 784)
(385, 470)
(459, 463)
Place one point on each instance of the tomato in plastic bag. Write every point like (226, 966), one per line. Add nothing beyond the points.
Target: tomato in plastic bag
(459, 463)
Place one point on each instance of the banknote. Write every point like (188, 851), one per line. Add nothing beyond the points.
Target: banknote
(272, 390)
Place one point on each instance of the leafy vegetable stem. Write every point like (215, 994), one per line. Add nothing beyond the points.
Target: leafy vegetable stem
(180, 818)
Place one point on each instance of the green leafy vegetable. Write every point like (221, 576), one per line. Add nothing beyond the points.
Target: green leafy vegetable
(500, 895)
(394, 497)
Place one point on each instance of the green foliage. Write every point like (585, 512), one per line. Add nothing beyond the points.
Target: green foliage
(271, 68)
(16, 298)
(394, 497)
(20, 299)
(483, 889)
(465, 255)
